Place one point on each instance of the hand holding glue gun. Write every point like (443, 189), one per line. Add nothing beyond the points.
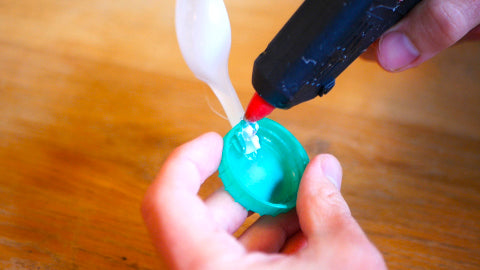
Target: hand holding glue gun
(312, 49)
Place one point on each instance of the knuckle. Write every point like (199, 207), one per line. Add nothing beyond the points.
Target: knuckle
(328, 202)
(450, 20)
(334, 200)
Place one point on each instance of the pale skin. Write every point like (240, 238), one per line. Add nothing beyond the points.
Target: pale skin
(191, 233)
(431, 27)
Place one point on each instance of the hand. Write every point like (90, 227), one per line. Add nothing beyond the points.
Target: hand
(194, 234)
(432, 26)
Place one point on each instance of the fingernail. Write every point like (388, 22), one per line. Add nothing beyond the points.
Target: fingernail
(332, 171)
(396, 51)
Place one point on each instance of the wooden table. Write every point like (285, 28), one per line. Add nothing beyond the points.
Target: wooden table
(95, 94)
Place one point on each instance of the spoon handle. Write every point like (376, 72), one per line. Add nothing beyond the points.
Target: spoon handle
(228, 98)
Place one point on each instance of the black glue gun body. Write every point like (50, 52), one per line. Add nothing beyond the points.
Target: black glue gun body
(319, 41)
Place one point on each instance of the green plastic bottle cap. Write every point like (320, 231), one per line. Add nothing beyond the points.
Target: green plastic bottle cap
(264, 180)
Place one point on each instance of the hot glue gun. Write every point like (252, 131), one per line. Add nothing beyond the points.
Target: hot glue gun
(318, 42)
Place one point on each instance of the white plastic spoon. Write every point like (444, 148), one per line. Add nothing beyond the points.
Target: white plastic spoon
(204, 36)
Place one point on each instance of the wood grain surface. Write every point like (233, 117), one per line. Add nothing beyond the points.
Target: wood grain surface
(94, 95)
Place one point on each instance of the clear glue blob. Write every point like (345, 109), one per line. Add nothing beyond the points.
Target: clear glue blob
(266, 180)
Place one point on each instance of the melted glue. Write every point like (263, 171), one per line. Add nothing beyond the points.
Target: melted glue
(249, 138)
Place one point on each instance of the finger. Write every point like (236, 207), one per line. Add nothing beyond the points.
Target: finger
(474, 34)
(320, 206)
(268, 234)
(371, 53)
(227, 214)
(178, 220)
(294, 243)
(326, 221)
(432, 26)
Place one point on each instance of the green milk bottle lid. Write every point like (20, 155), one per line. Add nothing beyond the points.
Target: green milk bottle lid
(263, 180)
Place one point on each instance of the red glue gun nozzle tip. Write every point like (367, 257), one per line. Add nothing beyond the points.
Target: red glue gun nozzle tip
(257, 109)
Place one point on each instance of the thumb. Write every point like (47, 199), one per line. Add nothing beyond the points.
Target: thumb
(432, 26)
(320, 206)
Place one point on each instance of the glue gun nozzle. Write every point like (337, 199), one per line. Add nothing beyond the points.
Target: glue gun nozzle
(257, 109)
